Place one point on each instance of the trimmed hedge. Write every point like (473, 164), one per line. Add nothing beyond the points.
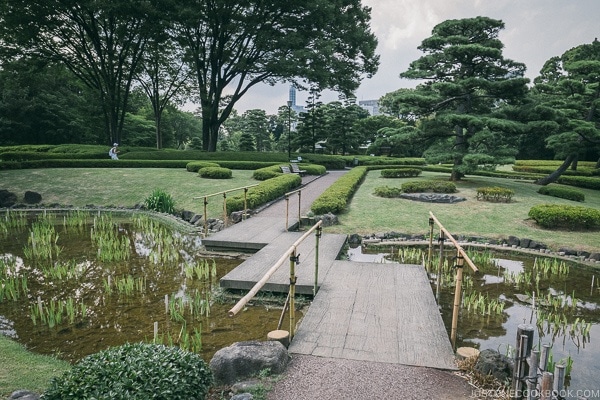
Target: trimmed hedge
(564, 216)
(400, 172)
(135, 371)
(215, 173)
(196, 166)
(580, 181)
(562, 192)
(428, 186)
(495, 194)
(108, 163)
(388, 192)
(369, 160)
(336, 197)
(266, 191)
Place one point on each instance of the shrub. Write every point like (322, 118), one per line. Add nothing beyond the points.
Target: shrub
(495, 194)
(215, 173)
(160, 201)
(386, 191)
(135, 371)
(580, 181)
(195, 166)
(262, 174)
(266, 191)
(400, 172)
(428, 186)
(337, 196)
(564, 216)
(562, 192)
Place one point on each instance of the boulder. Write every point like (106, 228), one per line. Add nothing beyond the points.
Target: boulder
(491, 362)
(7, 199)
(433, 197)
(236, 216)
(32, 197)
(23, 395)
(242, 360)
(195, 218)
(187, 215)
(354, 240)
(513, 241)
(328, 219)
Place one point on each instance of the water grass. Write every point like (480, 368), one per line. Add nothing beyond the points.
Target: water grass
(111, 246)
(42, 241)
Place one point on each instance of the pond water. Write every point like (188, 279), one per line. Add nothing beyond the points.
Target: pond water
(72, 285)
(561, 300)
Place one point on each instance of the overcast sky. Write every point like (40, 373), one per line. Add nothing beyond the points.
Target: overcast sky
(535, 30)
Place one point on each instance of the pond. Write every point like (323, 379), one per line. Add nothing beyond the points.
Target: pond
(75, 284)
(562, 300)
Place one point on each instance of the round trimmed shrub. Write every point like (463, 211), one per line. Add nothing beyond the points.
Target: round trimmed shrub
(134, 371)
(195, 166)
(215, 173)
(564, 216)
(400, 172)
(428, 186)
(389, 192)
(562, 192)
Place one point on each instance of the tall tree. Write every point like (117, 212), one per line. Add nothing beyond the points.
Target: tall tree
(466, 78)
(311, 124)
(100, 41)
(256, 123)
(235, 45)
(570, 84)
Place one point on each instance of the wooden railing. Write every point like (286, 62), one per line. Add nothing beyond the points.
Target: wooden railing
(287, 206)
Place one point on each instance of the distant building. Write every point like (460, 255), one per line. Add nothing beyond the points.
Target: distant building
(292, 98)
(372, 106)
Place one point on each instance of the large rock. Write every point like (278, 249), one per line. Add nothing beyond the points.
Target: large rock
(242, 360)
(7, 199)
(433, 197)
(490, 362)
(32, 197)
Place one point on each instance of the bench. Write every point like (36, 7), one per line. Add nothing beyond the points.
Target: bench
(285, 169)
(297, 170)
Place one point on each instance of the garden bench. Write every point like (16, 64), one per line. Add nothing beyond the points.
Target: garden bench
(297, 170)
(285, 169)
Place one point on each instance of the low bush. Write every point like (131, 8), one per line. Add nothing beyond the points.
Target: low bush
(195, 166)
(495, 194)
(369, 160)
(580, 181)
(135, 371)
(336, 197)
(400, 172)
(562, 192)
(266, 191)
(428, 186)
(262, 174)
(565, 216)
(215, 173)
(160, 201)
(386, 191)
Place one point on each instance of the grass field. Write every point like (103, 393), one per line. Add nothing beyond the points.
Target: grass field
(368, 213)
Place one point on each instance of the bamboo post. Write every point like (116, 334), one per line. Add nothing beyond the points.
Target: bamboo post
(544, 357)
(245, 203)
(299, 204)
(225, 208)
(287, 211)
(293, 260)
(457, 296)
(524, 343)
(546, 386)
(534, 360)
(430, 254)
(205, 216)
(559, 379)
(285, 306)
(317, 240)
(438, 283)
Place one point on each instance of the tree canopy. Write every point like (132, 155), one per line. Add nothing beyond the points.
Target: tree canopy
(465, 81)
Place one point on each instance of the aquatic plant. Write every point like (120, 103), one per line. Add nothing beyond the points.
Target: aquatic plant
(111, 246)
(42, 241)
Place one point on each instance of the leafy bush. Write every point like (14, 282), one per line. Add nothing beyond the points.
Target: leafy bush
(368, 160)
(195, 166)
(428, 186)
(562, 192)
(400, 172)
(160, 201)
(386, 191)
(266, 191)
(215, 173)
(135, 371)
(262, 174)
(564, 216)
(495, 194)
(580, 181)
(335, 198)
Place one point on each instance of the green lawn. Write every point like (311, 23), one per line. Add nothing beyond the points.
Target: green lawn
(124, 187)
(368, 213)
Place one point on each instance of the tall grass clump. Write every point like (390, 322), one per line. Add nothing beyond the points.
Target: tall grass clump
(105, 236)
(160, 201)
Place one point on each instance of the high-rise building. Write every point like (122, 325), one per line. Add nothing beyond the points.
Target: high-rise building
(292, 100)
(372, 106)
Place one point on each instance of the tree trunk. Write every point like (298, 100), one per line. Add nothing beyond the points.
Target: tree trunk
(460, 145)
(553, 177)
(574, 163)
(598, 164)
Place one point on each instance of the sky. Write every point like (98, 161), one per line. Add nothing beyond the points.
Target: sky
(535, 30)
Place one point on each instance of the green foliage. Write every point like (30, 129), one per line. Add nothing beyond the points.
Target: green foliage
(562, 192)
(564, 216)
(368, 160)
(336, 197)
(215, 173)
(548, 169)
(495, 194)
(195, 166)
(400, 172)
(262, 174)
(580, 181)
(428, 186)
(135, 371)
(386, 191)
(160, 201)
(266, 191)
